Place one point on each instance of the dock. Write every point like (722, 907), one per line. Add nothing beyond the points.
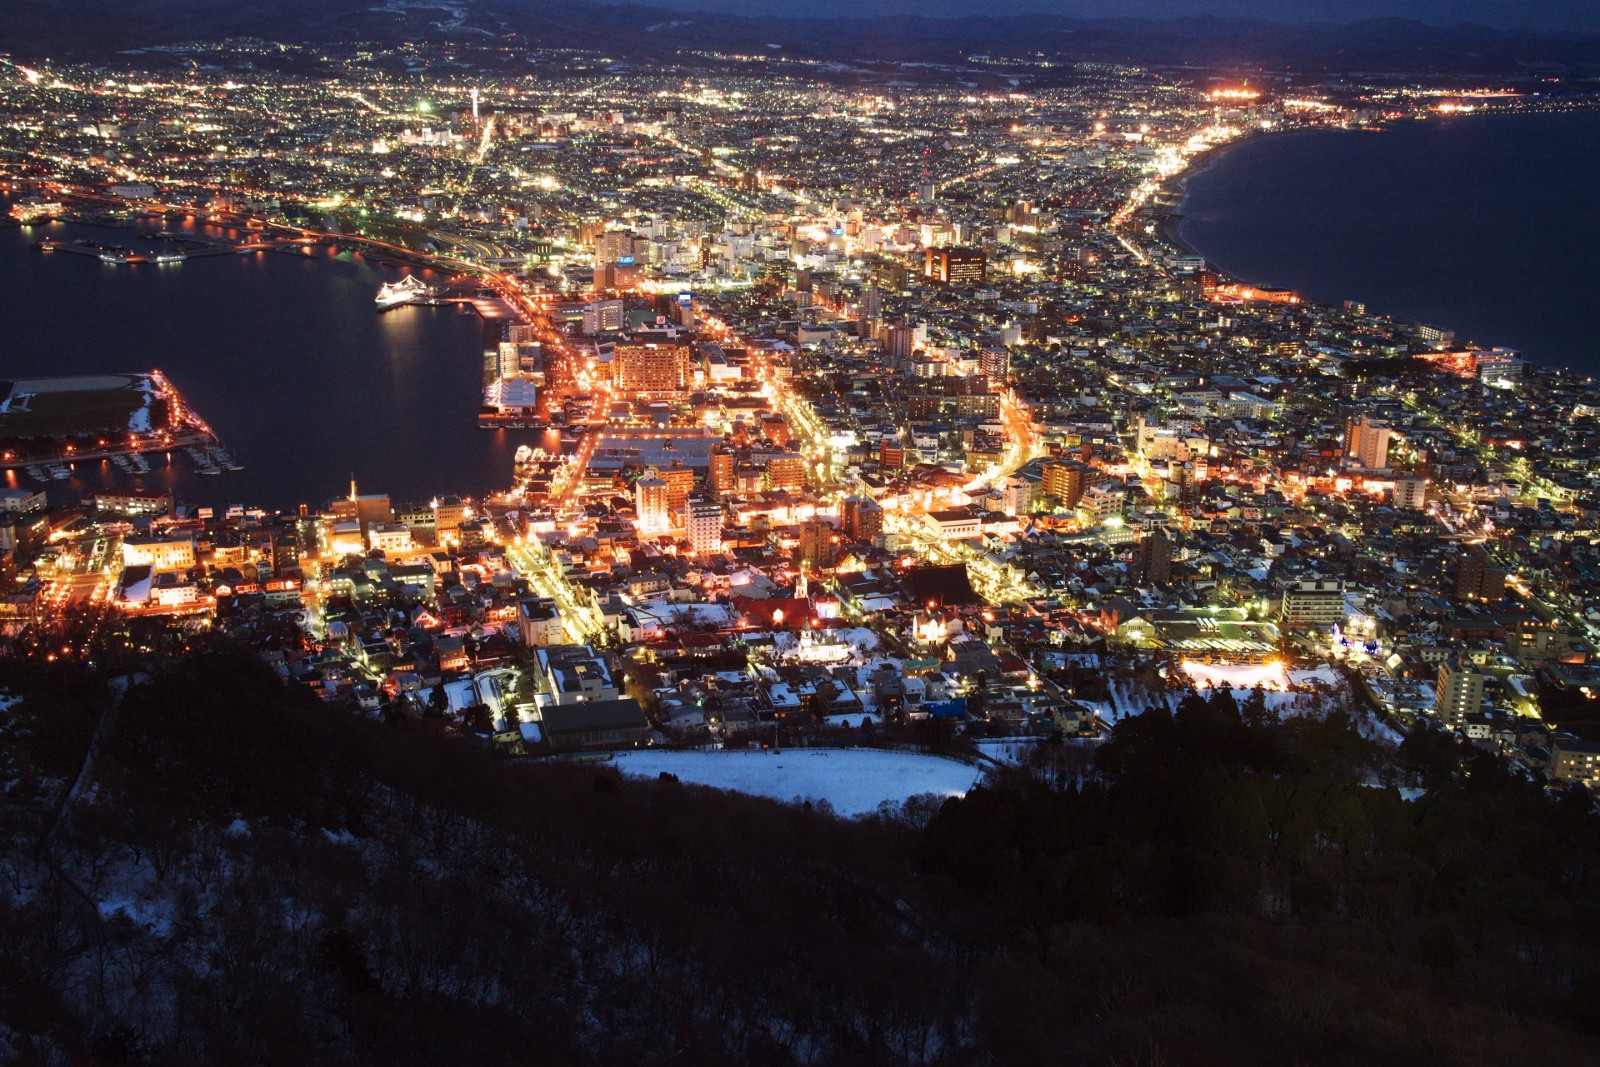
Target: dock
(192, 248)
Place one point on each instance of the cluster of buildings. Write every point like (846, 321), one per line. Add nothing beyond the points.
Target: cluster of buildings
(876, 409)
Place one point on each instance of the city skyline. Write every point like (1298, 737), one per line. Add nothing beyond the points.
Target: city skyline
(568, 539)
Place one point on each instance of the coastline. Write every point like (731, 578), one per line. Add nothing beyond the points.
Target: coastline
(1172, 199)
(1175, 190)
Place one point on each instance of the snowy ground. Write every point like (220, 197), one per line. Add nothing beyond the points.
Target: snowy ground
(1008, 749)
(1269, 676)
(855, 781)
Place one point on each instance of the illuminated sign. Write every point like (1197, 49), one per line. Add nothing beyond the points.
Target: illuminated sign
(685, 299)
(624, 261)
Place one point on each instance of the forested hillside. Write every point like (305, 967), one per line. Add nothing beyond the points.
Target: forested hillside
(244, 876)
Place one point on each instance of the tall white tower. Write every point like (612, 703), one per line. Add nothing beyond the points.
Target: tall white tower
(703, 527)
(474, 107)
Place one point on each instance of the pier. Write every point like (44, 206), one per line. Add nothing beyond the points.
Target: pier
(46, 454)
(191, 247)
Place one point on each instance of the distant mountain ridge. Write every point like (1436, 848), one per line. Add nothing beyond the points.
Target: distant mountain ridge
(100, 28)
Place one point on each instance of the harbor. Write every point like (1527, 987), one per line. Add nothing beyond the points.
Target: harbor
(329, 387)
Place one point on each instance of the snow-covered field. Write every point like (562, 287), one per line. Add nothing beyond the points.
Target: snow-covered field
(854, 781)
(1239, 676)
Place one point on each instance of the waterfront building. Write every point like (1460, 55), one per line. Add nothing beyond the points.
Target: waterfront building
(159, 552)
(448, 514)
(24, 500)
(131, 501)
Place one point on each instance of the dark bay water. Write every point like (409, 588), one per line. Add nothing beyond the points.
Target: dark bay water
(285, 357)
(1487, 225)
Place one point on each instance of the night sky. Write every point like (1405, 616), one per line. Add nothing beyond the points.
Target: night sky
(1543, 14)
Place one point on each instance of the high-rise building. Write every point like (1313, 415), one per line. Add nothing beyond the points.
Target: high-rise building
(1459, 691)
(954, 266)
(1367, 442)
(1477, 578)
(614, 246)
(1155, 559)
(1316, 602)
(651, 368)
(786, 470)
(863, 519)
(817, 539)
(1411, 492)
(1064, 481)
(1016, 496)
(1103, 502)
(721, 476)
(891, 454)
(871, 311)
(898, 341)
(995, 364)
(650, 504)
(604, 316)
(680, 484)
(702, 526)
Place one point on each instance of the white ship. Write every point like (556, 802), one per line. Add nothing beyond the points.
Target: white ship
(172, 257)
(407, 289)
